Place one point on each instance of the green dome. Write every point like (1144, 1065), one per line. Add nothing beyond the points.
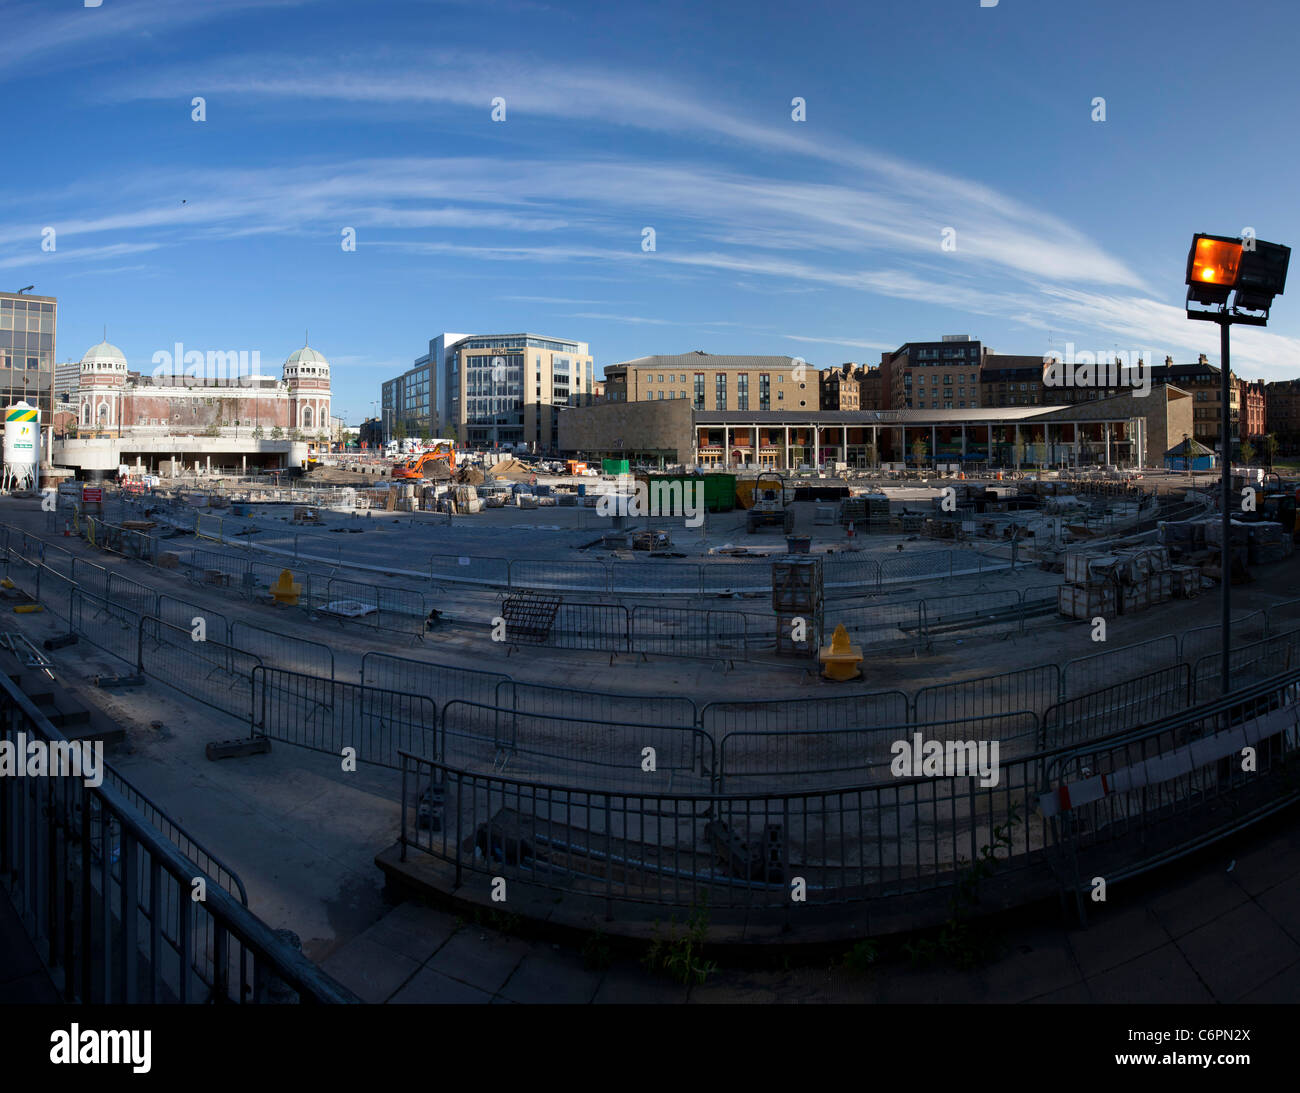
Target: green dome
(104, 351)
(306, 355)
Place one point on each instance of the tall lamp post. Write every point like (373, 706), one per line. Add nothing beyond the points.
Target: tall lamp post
(1218, 267)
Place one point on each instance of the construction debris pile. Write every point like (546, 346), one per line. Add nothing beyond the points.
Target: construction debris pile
(1198, 542)
(1122, 582)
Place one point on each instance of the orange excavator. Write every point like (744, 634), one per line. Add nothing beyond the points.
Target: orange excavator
(442, 451)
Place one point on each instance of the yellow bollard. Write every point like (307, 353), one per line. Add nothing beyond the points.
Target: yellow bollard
(286, 590)
(840, 659)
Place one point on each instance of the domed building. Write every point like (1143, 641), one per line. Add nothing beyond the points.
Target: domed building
(100, 385)
(307, 377)
(191, 403)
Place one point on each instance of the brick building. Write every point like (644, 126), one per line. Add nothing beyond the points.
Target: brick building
(111, 399)
(840, 387)
(942, 375)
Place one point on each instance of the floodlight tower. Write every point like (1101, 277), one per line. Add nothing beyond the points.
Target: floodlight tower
(1217, 267)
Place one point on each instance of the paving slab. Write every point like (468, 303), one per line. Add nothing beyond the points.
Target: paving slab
(1282, 988)
(1190, 902)
(413, 930)
(1238, 951)
(1282, 904)
(1267, 864)
(551, 975)
(429, 987)
(1115, 935)
(370, 970)
(482, 959)
(1162, 975)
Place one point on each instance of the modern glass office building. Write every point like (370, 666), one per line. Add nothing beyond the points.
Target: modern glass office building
(486, 390)
(27, 332)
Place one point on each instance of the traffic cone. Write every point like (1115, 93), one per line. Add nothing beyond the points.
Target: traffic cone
(67, 529)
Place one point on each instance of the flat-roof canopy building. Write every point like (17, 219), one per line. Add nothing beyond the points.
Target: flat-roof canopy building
(1131, 429)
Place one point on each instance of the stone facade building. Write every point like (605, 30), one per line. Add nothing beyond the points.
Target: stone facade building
(110, 398)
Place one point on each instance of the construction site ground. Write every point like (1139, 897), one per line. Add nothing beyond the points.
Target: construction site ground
(303, 835)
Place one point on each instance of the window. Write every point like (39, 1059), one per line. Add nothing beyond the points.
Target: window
(742, 391)
(720, 391)
(683, 379)
(660, 380)
(764, 391)
(699, 390)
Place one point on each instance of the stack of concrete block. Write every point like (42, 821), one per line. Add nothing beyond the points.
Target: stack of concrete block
(1186, 581)
(1132, 579)
(1269, 542)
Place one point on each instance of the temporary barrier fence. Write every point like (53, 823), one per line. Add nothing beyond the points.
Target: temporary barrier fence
(752, 762)
(1024, 689)
(208, 671)
(1091, 673)
(106, 898)
(330, 715)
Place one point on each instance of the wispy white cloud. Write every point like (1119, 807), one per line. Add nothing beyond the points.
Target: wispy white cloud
(850, 342)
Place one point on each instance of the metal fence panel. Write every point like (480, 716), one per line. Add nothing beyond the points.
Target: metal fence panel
(56, 592)
(470, 569)
(538, 698)
(576, 576)
(91, 578)
(440, 682)
(1025, 689)
(180, 613)
(386, 607)
(216, 674)
(666, 849)
(1119, 707)
(565, 750)
(875, 624)
(1247, 664)
(792, 714)
(757, 762)
(277, 650)
(1209, 639)
(330, 715)
(686, 631)
(997, 611)
(1091, 673)
(918, 566)
(122, 591)
(110, 628)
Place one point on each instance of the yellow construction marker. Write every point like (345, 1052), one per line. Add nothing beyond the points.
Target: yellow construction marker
(27, 608)
(286, 590)
(7, 583)
(841, 658)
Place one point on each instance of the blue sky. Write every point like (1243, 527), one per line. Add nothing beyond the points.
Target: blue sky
(821, 238)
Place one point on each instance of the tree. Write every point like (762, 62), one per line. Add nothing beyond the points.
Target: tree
(277, 433)
(258, 433)
(1270, 447)
(1019, 449)
(399, 430)
(873, 456)
(919, 447)
(1247, 452)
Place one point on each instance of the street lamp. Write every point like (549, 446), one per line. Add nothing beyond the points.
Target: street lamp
(1217, 267)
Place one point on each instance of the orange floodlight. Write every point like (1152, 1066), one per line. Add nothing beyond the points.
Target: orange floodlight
(1214, 260)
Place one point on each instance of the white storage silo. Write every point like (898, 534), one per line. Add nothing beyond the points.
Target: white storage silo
(22, 447)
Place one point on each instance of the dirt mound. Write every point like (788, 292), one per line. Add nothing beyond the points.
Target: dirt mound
(512, 469)
(469, 476)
